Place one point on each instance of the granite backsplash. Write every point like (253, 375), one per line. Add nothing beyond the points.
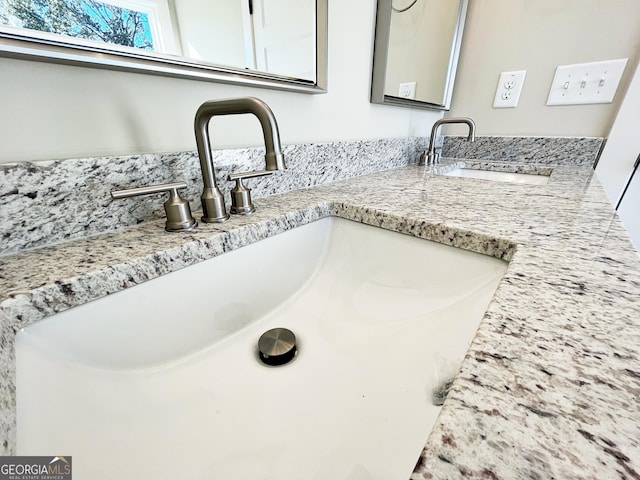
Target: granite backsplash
(576, 151)
(47, 202)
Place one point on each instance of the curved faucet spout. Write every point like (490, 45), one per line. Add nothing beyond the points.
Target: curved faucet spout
(213, 206)
(431, 156)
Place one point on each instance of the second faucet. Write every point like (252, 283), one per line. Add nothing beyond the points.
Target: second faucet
(432, 156)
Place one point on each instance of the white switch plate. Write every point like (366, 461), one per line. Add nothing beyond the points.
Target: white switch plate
(586, 83)
(407, 90)
(509, 88)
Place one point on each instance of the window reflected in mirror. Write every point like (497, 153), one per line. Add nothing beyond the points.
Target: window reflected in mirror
(272, 36)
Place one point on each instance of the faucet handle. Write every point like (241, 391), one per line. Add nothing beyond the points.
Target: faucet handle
(253, 174)
(430, 158)
(240, 195)
(178, 212)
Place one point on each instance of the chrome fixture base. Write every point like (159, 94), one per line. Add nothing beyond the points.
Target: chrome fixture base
(213, 207)
(241, 203)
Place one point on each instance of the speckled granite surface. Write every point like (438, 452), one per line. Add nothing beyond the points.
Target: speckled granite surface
(42, 203)
(550, 385)
(539, 150)
(46, 202)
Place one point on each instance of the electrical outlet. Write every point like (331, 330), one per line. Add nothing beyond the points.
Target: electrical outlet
(509, 88)
(407, 90)
(586, 83)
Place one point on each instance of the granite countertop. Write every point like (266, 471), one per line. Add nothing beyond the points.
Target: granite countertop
(550, 386)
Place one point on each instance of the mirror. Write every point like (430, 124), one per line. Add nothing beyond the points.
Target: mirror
(416, 49)
(267, 43)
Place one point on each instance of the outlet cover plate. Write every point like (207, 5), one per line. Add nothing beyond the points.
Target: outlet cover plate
(586, 83)
(509, 89)
(407, 90)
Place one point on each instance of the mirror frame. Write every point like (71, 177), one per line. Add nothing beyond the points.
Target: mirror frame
(381, 51)
(31, 47)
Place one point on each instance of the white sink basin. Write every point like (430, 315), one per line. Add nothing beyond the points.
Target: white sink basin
(162, 380)
(499, 176)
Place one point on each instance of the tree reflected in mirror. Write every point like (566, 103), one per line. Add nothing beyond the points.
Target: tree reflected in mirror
(86, 19)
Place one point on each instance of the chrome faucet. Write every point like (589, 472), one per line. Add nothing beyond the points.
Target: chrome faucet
(213, 206)
(432, 156)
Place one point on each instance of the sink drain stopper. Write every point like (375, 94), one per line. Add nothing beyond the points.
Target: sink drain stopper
(277, 346)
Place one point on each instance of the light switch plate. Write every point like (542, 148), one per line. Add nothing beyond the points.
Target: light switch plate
(586, 83)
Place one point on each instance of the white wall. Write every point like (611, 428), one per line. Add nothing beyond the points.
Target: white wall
(55, 112)
(537, 36)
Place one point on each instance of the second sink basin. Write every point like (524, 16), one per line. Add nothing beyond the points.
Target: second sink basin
(510, 177)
